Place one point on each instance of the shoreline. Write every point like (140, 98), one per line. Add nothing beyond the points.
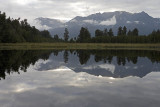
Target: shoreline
(70, 46)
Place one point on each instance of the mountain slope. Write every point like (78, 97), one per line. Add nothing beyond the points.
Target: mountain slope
(145, 23)
(47, 23)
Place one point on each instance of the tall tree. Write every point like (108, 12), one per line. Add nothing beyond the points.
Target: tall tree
(98, 33)
(66, 35)
(129, 33)
(110, 33)
(120, 31)
(124, 31)
(135, 32)
(84, 35)
(45, 33)
(56, 38)
(105, 32)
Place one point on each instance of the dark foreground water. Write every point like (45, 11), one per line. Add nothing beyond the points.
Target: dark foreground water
(80, 78)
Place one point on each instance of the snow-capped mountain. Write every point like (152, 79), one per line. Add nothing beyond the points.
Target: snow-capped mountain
(145, 23)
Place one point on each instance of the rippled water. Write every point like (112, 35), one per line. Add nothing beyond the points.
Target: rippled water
(80, 78)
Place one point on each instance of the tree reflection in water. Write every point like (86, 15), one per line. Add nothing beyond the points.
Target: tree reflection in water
(13, 61)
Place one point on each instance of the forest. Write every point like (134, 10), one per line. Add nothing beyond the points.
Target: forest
(16, 31)
(132, 36)
(20, 31)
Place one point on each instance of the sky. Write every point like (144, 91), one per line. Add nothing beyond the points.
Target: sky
(68, 9)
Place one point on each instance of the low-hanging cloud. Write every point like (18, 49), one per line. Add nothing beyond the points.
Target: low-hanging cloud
(39, 26)
(91, 22)
(111, 21)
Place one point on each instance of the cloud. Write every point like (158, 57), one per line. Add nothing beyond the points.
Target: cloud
(61, 88)
(108, 67)
(62, 9)
(91, 22)
(137, 22)
(111, 21)
(129, 22)
(39, 26)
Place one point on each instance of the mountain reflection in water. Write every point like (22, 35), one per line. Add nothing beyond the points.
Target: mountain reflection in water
(109, 63)
(79, 78)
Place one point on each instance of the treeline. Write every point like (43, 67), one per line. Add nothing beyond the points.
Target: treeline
(123, 36)
(18, 31)
(14, 30)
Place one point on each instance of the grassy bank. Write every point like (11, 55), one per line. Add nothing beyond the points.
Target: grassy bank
(39, 46)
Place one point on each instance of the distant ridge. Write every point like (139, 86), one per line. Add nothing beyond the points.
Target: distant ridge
(144, 22)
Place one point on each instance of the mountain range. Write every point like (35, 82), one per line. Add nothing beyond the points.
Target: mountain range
(144, 22)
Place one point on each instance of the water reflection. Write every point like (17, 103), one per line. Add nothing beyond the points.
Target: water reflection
(78, 78)
(14, 61)
(65, 88)
(110, 63)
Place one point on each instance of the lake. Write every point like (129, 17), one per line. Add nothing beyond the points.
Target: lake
(79, 78)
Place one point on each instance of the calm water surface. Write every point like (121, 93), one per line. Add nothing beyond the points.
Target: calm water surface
(80, 78)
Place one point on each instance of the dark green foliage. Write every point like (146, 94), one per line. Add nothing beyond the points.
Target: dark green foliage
(135, 32)
(132, 36)
(84, 36)
(120, 31)
(124, 31)
(123, 37)
(105, 32)
(16, 31)
(154, 37)
(98, 33)
(56, 38)
(129, 33)
(66, 35)
(110, 33)
(46, 34)
(71, 40)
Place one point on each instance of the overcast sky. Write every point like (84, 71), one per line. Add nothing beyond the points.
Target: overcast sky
(67, 9)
